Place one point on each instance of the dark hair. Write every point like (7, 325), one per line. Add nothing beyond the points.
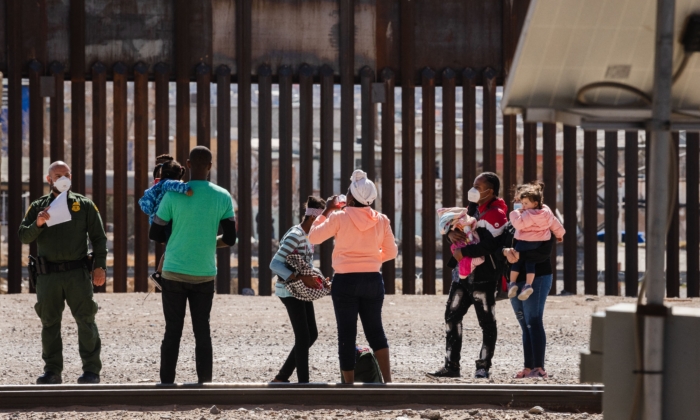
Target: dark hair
(315, 203)
(533, 192)
(493, 180)
(171, 169)
(200, 157)
(160, 160)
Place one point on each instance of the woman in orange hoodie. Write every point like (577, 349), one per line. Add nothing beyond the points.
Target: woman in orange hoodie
(363, 241)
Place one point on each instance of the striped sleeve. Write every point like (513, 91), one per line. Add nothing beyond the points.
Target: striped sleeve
(292, 240)
(288, 245)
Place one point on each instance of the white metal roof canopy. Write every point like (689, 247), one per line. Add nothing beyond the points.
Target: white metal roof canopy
(566, 45)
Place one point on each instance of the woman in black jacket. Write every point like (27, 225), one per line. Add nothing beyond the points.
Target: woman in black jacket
(529, 312)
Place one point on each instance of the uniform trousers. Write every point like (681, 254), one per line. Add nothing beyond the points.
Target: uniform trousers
(52, 292)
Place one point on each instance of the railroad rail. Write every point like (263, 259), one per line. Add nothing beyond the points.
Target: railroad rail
(564, 398)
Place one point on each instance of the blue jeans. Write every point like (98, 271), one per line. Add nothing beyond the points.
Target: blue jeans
(353, 294)
(529, 314)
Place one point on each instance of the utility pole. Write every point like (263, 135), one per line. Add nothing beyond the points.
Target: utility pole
(657, 218)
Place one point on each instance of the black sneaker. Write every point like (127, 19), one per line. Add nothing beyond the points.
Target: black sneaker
(155, 280)
(481, 374)
(89, 378)
(49, 378)
(445, 372)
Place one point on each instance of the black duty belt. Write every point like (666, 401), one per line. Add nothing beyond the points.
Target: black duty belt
(46, 267)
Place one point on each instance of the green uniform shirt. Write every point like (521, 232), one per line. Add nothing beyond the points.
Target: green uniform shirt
(66, 241)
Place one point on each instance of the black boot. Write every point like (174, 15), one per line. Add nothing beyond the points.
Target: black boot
(49, 378)
(89, 378)
(446, 372)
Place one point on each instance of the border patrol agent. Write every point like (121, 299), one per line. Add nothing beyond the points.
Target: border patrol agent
(63, 274)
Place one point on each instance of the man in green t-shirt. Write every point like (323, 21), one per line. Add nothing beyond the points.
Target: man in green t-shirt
(189, 269)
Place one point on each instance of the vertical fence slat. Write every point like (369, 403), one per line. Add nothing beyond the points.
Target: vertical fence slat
(326, 74)
(631, 212)
(388, 171)
(489, 120)
(408, 146)
(368, 122)
(243, 55)
(182, 75)
(449, 177)
(590, 212)
(57, 148)
(612, 285)
(162, 123)
(549, 177)
(36, 133)
(77, 74)
(99, 145)
(428, 180)
(408, 208)
(223, 166)
(347, 91)
(692, 212)
(14, 147)
(264, 217)
(510, 154)
(306, 135)
(285, 150)
(140, 175)
(468, 132)
(673, 237)
(36, 138)
(203, 72)
(529, 152)
(569, 205)
(119, 137)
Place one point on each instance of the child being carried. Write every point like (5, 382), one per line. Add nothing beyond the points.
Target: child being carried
(167, 176)
(534, 223)
(456, 218)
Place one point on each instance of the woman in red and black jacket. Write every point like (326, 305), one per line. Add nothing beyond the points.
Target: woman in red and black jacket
(479, 289)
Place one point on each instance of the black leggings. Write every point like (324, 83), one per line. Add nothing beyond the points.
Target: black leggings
(303, 319)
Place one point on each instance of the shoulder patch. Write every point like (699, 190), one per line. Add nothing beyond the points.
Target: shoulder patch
(28, 208)
(95, 206)
(76, 206)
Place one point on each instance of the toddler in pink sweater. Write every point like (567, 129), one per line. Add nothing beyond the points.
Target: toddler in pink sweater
(534, 224)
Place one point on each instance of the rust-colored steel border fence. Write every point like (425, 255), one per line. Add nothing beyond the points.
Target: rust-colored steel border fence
(193, 52)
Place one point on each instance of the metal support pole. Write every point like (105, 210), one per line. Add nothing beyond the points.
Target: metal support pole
(658, 208)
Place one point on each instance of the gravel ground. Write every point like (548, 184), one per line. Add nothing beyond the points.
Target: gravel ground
(252, 336)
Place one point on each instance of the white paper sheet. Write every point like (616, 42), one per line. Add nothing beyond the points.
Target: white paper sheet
(58, 210)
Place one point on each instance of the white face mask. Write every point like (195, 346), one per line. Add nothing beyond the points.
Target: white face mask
(62, 184)
(474, 195)
(517, 206)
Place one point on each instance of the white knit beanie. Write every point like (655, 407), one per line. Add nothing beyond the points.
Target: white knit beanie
(362, 189)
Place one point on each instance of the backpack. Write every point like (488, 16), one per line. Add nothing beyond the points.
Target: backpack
(366, 367)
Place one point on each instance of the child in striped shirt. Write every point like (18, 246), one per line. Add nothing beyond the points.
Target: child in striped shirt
(301, 313)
